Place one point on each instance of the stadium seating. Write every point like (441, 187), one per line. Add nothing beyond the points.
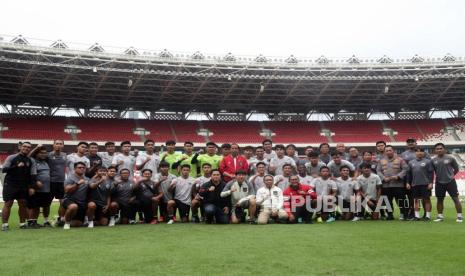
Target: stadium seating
(48, 128)
(357, 131)
(45, 128)
(105, 129)
(234, 132)
(296, 132)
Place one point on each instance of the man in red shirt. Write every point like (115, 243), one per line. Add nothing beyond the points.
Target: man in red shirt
(232, 163)
(295, 200)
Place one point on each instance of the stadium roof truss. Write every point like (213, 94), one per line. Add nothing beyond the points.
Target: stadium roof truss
(155, 82)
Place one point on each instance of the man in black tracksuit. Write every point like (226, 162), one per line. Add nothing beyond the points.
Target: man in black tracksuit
(18, 168)
(213, 204)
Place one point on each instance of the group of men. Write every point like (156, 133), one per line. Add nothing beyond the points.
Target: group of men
(224, 184)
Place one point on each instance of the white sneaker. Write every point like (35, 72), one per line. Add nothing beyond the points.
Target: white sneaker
(459, 220)
(67, 226)
(356, 219)
(112, 222)
(132, 221)
(170, 221)
(401, 217)
(439, 220)
(91, 224)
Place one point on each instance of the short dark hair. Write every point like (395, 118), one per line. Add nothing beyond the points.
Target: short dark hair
(125, 143)
(93, 144)
(164, 164)
(324, 144)
(80, 143)
(312, 154)
(267, 141)
(145, 170)
(335, 153)
(248, 148)
(420, 149)
(242, 172)
(215, 170)
(365, 165)
(226, 146)
(124, 170)
(367, 151)
(259, 147)
(188, 143)
(291, 146)
(170, 142)
(324, 168)
(439, 144)
(280, 146)
(206, 164)
(112, 168)
(149, 141)
(287, 165)
(380, 142)
(79, 163)
(109, 143)
(185, 166)
(260, 163)
(344, 167)
(63, 141)
(211, 144)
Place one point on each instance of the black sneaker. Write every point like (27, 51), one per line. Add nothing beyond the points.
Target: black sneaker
(426, 219)
(415, 219)
(390, 218)
(47, 224)
(24, 226)
(34, 225)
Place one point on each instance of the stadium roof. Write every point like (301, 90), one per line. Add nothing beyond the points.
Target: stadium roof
(62, 75)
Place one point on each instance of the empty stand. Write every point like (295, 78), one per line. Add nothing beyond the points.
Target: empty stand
(357, 131)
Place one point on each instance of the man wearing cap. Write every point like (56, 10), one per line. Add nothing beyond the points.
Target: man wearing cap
(209, 157)
(242, 196)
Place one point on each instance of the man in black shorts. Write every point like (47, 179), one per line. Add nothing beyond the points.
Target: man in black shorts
(123, 196)
(75, 200)
(446, 167)
(57, 164)
(99, 206)
(18, 168)
(181, 187)
(420, 182)
(39, 192)
(148, 196)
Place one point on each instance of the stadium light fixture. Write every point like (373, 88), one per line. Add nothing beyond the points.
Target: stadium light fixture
(129, 82)
(94, 69)
(416, 78)
(386, 89)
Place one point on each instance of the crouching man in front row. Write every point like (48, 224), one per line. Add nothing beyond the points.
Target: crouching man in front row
(270, 199)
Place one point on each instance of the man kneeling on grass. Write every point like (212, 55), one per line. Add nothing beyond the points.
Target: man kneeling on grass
(242, 197)
(148, 196)
(99, 207)
(368, 189)
(295, 201)
(270, 198)
(75, 200)
(215, 206)
(124, 198)
(182, 189)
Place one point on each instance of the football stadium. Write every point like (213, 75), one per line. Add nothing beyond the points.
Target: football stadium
(136, 161)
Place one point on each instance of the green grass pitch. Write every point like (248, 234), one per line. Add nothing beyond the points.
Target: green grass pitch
(340, 248)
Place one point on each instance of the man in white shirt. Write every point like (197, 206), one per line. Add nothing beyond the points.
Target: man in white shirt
(271, 201)
(150, 160)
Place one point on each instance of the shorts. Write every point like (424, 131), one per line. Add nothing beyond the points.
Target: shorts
(12, 192)
(38, 200)
(450, 188)
(183, 208)
(421, 191)
(57, 189)
(346, 204)
(99, 212)
(81, 213)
